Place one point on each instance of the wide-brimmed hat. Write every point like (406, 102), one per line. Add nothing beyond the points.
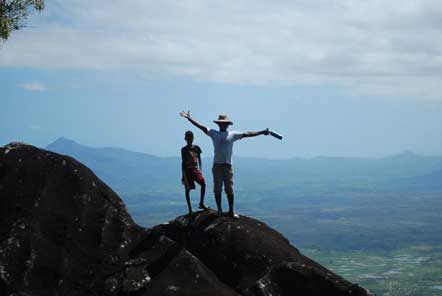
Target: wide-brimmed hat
(223, 119)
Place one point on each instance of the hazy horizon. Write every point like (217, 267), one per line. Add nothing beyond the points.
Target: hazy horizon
(209, 154)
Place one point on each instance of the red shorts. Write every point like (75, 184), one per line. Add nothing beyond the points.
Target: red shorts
(191, 176)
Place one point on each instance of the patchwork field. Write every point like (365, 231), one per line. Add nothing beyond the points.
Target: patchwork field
(413, 271)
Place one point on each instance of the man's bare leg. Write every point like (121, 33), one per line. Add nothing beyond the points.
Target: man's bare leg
(189, 205)
(218, 202)
(231, 198)
(203, 192)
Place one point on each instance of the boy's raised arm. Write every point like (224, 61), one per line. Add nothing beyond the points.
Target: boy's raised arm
(194, 122)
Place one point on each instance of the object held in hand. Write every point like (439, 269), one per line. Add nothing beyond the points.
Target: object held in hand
(185, 114)
(275, 134)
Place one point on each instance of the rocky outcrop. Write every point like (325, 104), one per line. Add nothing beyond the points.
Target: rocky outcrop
(64, 232)
(252, 258)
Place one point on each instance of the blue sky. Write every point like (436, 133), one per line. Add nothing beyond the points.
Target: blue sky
(349, 78)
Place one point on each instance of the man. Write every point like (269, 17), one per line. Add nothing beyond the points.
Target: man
(192, 170)
(222, 161)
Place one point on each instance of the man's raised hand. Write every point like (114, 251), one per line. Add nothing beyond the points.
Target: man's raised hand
(194, 122)
(185, 114)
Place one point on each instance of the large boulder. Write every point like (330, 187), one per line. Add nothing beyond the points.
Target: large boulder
(253, 258)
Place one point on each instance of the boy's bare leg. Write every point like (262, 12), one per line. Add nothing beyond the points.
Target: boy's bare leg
(189, 205)
(203, 192)
(230, 198)
(218, 202)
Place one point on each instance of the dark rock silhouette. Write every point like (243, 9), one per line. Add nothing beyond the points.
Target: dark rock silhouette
(252, 258)
(65, 232)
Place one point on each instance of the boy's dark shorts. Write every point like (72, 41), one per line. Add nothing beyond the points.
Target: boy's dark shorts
(191, 176)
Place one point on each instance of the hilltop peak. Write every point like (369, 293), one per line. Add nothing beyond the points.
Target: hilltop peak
(406, 154)
(62, 141)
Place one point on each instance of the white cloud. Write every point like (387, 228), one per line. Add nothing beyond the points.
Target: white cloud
(33, 86)
(383, 48)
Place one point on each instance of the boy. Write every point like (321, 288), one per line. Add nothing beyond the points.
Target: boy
(222, 161)
(192, 170)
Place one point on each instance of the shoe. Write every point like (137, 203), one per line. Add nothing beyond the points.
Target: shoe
(233, 215)
(203, 207)
(219, 213)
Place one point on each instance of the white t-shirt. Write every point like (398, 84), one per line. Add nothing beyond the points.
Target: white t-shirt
(223, 144)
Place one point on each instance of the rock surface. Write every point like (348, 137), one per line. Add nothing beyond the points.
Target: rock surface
(252, 258)
(65, 232)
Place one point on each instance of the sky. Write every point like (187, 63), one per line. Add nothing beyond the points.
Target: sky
(336, 78)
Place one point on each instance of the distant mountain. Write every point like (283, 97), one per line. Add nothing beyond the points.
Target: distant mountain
(338, 172)
(133, 172)
(127, 171)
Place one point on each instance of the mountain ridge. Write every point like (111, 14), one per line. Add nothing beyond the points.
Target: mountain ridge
(62, 141)
(128, 171)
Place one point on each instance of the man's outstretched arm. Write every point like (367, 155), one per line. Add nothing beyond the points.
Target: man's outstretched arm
(265, 132)
(194, 122)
